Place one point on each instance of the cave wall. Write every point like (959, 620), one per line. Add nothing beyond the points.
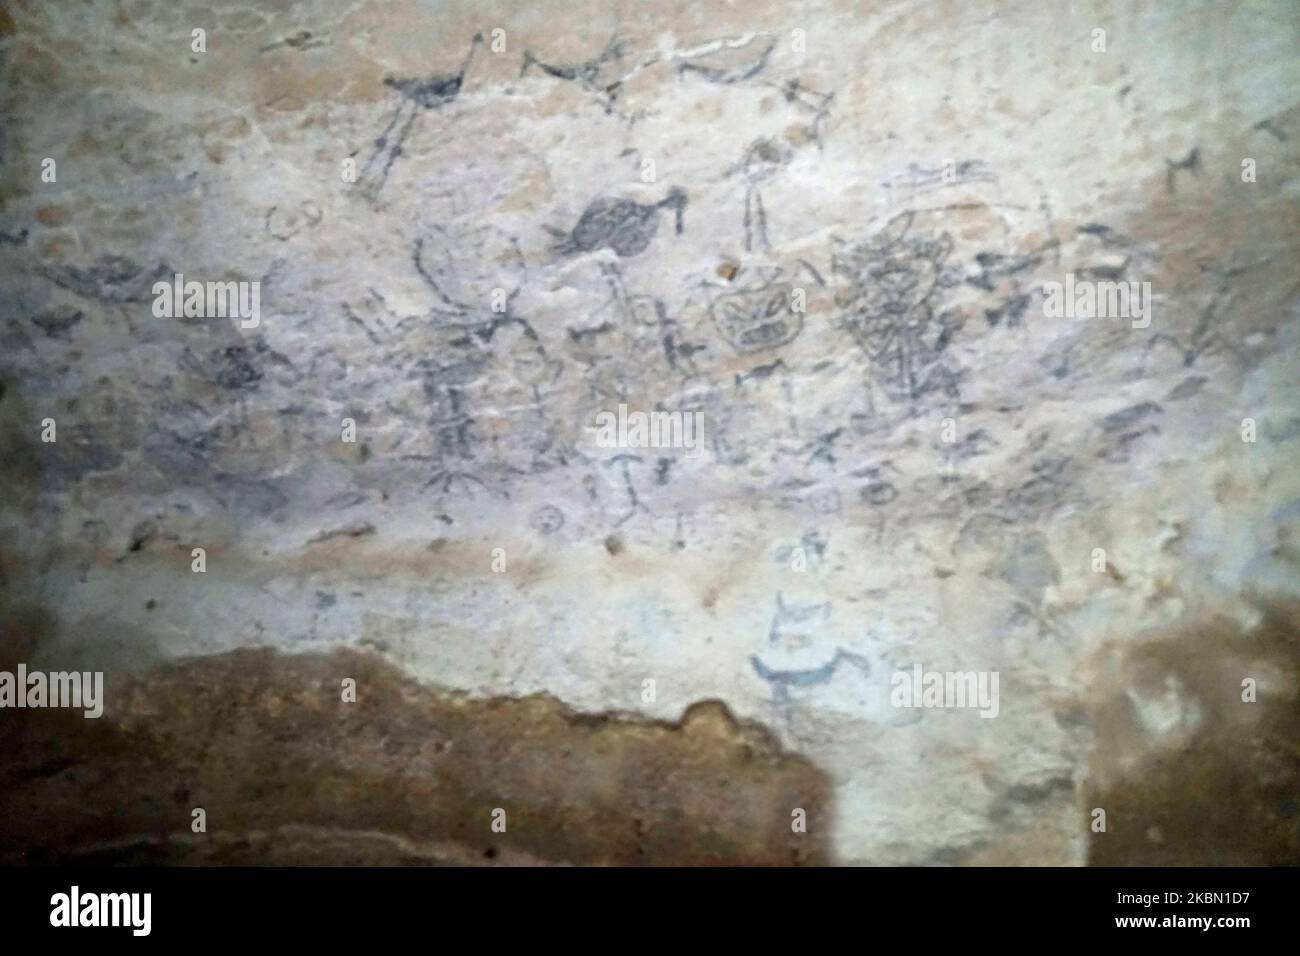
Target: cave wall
(825, 232)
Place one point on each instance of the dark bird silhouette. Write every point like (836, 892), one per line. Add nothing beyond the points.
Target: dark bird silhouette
(417, 93)
(621, 224)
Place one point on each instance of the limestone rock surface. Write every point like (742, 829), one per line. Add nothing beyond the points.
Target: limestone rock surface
(827, 232)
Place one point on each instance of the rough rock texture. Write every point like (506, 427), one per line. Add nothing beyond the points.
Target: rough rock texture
(605, 203)
(402, 771)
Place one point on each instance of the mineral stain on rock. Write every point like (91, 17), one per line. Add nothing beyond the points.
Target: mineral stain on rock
(1189, 773)
(288, 772)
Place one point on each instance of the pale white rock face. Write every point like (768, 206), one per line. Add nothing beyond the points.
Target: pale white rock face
(828, 229)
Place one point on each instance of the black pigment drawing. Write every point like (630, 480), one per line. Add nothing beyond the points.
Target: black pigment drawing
(763, 311)
(761, 161)
(602, 75)
(811, 102)
(727, 61)
(623, 225)
(813, 547)
(631, 343)
(1190, 163)
(57, 321)
(547, 519)
(783, 680)
(480, 346)
(889, 290)
(416, 94)
(111, 279)
(796, 623)
(285, 223)
(458, 265)
(635, 505)
(1203, 337)
(764, 157)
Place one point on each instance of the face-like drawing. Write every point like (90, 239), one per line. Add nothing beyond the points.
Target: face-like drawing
(757, 317)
